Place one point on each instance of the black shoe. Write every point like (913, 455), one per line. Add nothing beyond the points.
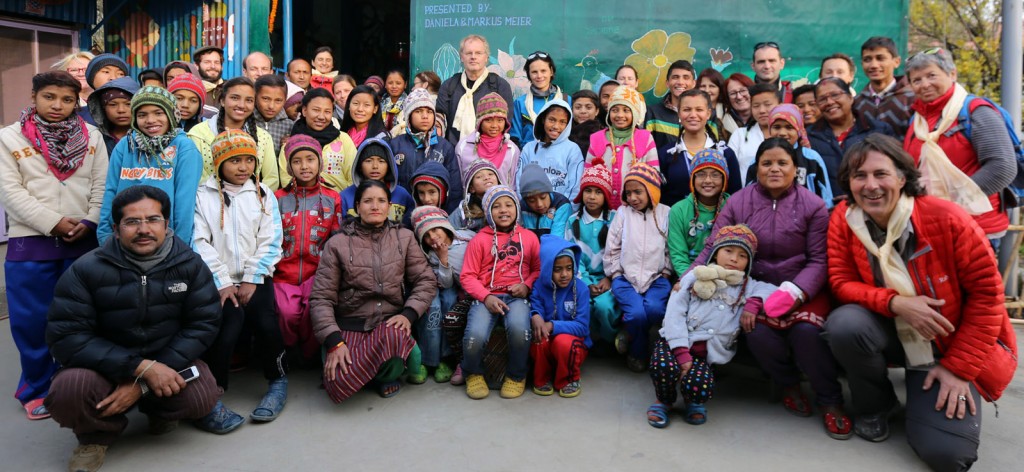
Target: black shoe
(874, 428)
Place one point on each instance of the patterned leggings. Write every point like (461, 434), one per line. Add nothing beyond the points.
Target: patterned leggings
(697, 387)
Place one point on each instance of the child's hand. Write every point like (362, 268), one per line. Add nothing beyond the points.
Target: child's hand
(547, 329)
(78, 232)
(495, 305)
(604, 285)
(747, 321)
(441, 250)
(64, 227)
(685, 369)
(594, 290)
(537, 323)
(519, 291)
(229, 293)
(244, 293)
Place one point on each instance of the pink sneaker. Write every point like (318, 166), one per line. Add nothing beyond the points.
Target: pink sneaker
(457, 378)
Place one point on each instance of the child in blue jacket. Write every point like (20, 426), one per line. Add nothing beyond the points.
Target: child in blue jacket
(560, 318)
(544, 210)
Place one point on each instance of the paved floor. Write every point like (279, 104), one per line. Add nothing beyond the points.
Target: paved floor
(436, 427)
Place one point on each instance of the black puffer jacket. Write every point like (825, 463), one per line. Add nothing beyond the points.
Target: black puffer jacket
(107, 316)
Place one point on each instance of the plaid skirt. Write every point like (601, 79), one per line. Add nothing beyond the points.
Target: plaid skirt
(369, 351)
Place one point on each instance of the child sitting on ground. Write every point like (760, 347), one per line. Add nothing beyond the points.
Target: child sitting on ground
(444, 254)
(374, 161)
(691, 219)
(560, 317)
(699, 331)
(637, 261)
(310, 215)
(238, 234)
(501, 265)
(430, 185)
(588, 228)
(491, 141)
(469, 217)
(546, 211)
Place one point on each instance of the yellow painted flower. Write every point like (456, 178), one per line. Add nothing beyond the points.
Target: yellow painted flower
(653, 52)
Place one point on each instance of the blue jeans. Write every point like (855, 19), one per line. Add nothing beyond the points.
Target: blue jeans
(641, 311)
(478, 333)
(429, 333)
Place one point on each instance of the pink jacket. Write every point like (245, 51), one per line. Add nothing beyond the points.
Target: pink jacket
(620, 159)
(492, 265)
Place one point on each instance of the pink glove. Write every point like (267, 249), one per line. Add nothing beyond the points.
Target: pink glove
(682, 355)
(784, 300)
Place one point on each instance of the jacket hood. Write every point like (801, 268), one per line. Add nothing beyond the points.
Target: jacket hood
(550, 247)
(181, 64)
(538, 128)
(95, 104)
(391, 178)
(435, 170)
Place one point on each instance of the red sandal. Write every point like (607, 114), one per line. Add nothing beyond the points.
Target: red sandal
(796, 402)
(837, 423)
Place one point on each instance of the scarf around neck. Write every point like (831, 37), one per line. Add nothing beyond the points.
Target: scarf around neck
(324, 136)
(63, 144)
(147, 263)
(546, 95)
(151, 146)
(894, 272)
(941, 177)
(620, 136)
(491, 148)
(465, 113)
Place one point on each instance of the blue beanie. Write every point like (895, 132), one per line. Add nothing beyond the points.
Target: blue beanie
(534, 180)
(99, 62)
(492, 195)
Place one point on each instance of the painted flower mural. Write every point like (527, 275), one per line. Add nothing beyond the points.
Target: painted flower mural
(720, 58)
(446, 61)
(509, 66)
(653, 52)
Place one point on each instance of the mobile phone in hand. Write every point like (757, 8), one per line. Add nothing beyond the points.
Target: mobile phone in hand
(189, 374)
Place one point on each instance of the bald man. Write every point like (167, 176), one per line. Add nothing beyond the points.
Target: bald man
(256, 64)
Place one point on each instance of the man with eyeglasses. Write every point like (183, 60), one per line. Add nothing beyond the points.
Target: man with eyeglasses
(126, 320)
(459, 94)
(768, 64)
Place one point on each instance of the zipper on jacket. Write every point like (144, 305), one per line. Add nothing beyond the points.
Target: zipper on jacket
(302, 218)
(145, 304)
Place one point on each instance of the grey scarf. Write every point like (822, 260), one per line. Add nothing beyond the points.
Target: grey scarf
(147, 263)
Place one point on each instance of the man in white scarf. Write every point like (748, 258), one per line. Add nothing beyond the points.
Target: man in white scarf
(458, 95)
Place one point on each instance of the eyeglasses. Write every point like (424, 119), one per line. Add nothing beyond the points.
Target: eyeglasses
(76, 70)
(713, 175)
(834, 96)
(540, 54)
(766, 44)
(137, 222)
(736, 93)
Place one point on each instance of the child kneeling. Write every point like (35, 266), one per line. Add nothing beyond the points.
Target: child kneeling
(560, 307)
(702, 323)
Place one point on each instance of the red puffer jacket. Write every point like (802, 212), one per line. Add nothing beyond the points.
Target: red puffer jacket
(953, 262)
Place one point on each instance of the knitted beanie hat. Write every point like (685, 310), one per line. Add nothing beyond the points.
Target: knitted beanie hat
(492, 195)
(597, 175)
(647, 175)
(232, 143)
(534, 180)
(477, 166)
(736, 235)
(426, 218)
(159, 96)
(418, 98)
(99, 62)
(192, 84)
(790, 113)
(492, 105)
(624, 95)
(300, 142)
(376, 80)
(709, 158)
(295, 94)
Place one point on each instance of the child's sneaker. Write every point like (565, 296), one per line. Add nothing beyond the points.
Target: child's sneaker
(571, 390)
(544, 390)
(443, 373)
(622, 342)
(476, 387)
(513, 388)
(417, 377)
(457, 377)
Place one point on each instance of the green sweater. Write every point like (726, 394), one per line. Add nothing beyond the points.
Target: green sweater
(685, 242)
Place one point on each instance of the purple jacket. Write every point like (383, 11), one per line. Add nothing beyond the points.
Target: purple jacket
(791, 232)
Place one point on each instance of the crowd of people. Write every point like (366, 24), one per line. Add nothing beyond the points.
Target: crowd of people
(167, 225)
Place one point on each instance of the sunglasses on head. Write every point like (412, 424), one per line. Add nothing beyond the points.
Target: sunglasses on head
(540, 54)
(766, 44)
(931, 51)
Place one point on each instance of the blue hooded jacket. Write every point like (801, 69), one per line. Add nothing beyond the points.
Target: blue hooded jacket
(402, 202)
(437, 171)
(568, 309)
(561, 159)
(99, 115)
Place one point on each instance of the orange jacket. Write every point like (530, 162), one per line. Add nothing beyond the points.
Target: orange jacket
(954, 262)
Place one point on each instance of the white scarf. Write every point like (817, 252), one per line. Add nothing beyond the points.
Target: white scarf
(529, 102)
(940, 177)
(465, 113)
(894, 273)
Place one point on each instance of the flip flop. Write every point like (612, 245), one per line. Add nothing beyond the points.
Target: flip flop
(796, 402)
(390, 389)
(657, 415)
(696, 414)
(35, 410)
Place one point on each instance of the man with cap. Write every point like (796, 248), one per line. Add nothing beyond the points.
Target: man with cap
(128, 323)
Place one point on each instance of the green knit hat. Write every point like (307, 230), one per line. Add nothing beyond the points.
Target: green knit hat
(159, 96)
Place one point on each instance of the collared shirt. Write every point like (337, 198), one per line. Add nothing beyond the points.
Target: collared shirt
(279, 127)
(869, 92)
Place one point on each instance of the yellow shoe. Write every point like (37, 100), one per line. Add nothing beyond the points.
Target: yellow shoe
(476, 387)
(512, 388)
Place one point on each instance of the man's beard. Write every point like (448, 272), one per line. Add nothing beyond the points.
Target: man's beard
(208, 78)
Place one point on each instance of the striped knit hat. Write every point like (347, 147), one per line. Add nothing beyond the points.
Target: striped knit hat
(492, 105)
(418, 98)
(624, 95)
(477, 166)
(159, 96)
(300, 142)
(492, 195)
(375, 80)
(709, 158)
(426, 218)
(736, 235)
(99, 62)
(231, 143)
(647, 175)
(192, 84)
(597, 175)
(436, 181)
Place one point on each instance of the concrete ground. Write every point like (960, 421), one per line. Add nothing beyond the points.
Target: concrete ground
(436, 427)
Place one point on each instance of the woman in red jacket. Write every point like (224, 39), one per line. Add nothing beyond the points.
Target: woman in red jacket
(922, 290)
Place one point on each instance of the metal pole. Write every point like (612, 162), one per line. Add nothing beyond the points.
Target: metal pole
(1010, 89)
(287, 20)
